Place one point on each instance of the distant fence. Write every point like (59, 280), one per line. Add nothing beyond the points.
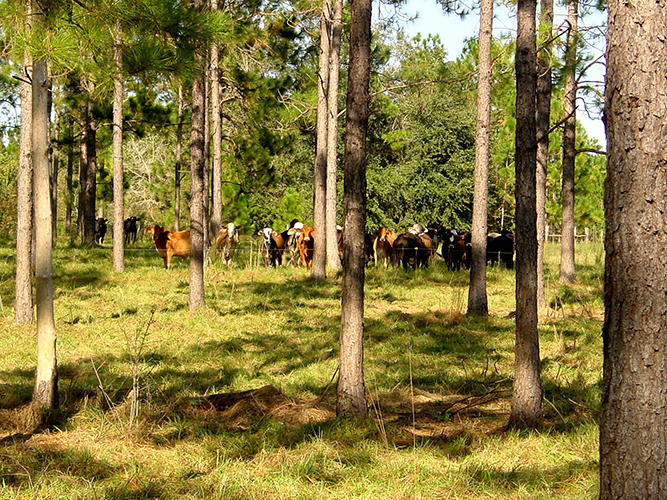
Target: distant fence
(588, 236)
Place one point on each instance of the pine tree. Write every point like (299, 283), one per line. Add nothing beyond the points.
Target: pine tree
(633, 417)
(318, 271)
(567, 266)
(45, 392)
(543, 124)
(477, 299)
(351, 392)
(118, 191)
(23, 303)
(197, 172)
(527, 394)
(333, 256)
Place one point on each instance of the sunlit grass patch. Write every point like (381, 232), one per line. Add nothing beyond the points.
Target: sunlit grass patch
(137, 369)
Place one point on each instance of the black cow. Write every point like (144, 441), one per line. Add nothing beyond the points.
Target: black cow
(100, 229)
(436, 232)
(411, 250)
(456, 249)
(130, 228)
(500, 248)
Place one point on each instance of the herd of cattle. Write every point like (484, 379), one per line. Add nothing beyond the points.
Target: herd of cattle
(412, 249)
(415, 248)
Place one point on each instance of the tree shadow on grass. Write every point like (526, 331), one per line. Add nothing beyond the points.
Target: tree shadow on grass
(21, 465)
(271, 296)
(497, 480)
(443, 364)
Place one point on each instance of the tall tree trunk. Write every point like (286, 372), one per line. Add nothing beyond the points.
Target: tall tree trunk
(197, 193)
(118, 194)
(318, 270)
(567, 268)
(351, 392)
(633, 418)
(69, 200)
(45, 392)
(177, 169)
(23, 304)
(477, 298)
(206, 198)
(333, 257)
(87, 176)
(216, 125)
(54, 176)
(543, 124)
(527, 394)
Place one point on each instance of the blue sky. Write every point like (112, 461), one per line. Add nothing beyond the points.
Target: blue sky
(453, 31)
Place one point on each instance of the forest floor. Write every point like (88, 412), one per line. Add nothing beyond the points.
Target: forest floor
(238, 400)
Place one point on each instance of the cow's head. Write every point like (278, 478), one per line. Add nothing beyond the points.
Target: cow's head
(233, 230)
(155, 230)
(266, 234)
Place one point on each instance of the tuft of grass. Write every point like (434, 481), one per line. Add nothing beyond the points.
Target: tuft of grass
(138, 370)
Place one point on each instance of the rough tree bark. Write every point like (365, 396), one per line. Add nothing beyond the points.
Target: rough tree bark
(527, 394)
(351, 392)
(118, 194)
(206, 199)
(197, 193)
(318, 270)
(216, 137)
(23, 303)
(177, 168)
(633, 419)
(45, 392)
(543, 124)
(69, 199)
(567, 267)
(333, 257)
(55, 162)
(477, 298)
(87, 175)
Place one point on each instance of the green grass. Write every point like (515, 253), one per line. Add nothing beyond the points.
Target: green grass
(438, 382)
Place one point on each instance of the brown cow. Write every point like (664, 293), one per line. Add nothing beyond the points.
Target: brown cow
(383, 249)
(170, 243)
(304, 243)
(226, 242)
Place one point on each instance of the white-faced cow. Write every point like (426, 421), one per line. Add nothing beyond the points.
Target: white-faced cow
(456, 249)
(291, 238)
(227, 241)
(272, 247)
(500, 247)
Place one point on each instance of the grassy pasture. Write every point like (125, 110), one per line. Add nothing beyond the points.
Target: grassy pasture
(135, 367)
